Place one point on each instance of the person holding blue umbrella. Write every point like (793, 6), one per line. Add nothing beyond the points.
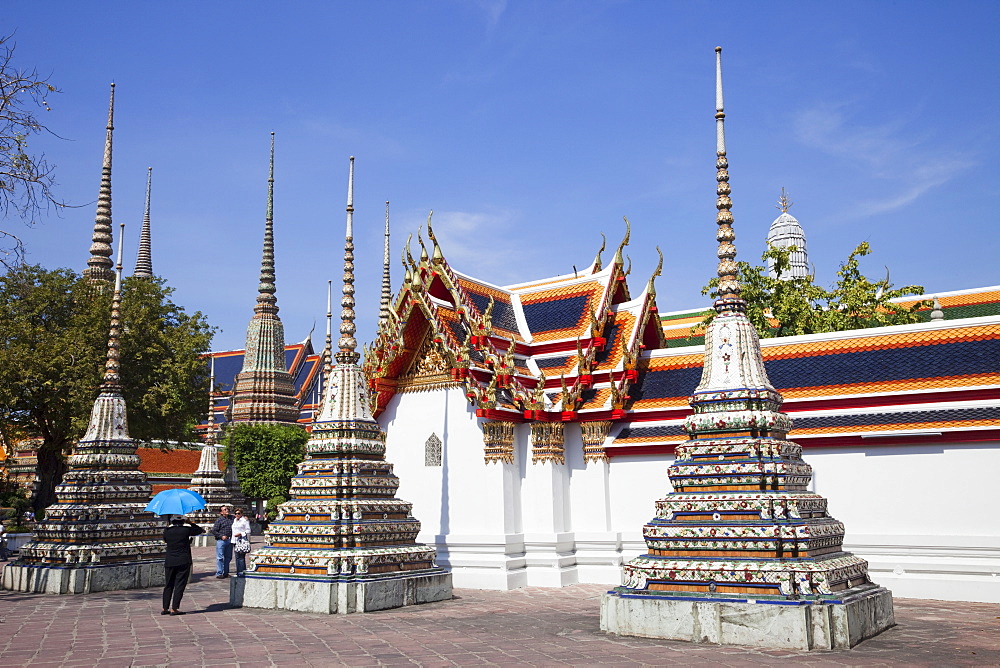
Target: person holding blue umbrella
(178, 501)
(177, 566)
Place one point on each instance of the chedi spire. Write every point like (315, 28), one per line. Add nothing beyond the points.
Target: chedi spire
(386, 298)
(741, 547)
(144, 260)
(344, 543)
(100, 267)
(264, 390)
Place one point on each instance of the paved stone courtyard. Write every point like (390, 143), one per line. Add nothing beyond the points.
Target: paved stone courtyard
(533, 626)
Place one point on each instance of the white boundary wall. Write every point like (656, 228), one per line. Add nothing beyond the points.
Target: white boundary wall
(925, 517)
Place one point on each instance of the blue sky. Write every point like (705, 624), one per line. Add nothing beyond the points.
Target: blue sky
(529, 128)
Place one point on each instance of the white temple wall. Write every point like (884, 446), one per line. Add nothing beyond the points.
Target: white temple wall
(921, 515)
(637, 482)
(469, 510)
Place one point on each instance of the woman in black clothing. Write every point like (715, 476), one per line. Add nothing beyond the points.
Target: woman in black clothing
(177, 536)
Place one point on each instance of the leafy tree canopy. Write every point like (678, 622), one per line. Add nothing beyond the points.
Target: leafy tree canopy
(267, 456)
(53, 345)
(26, 180)
(785, 307)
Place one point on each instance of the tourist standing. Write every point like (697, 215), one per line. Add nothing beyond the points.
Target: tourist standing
(177, 566)
(241, 530)
(3, 543)
(223, 532)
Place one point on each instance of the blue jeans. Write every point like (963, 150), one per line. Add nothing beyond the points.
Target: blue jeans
(223, 555)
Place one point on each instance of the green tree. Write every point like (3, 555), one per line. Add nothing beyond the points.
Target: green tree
(267, 456)
(53, 345)
(786, 307)
(26, 180)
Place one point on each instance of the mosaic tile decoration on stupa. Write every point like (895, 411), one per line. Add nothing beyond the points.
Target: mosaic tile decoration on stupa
(739, 524)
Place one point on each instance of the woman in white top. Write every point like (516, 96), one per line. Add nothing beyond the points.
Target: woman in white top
(241, 529)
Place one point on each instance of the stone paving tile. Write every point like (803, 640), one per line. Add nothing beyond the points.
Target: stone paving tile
(529, 627)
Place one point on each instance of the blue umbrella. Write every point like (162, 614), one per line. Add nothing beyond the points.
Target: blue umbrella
(175, 502)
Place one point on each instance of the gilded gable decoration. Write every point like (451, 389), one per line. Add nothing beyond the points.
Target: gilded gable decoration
(498, 441)
(594, 434)
(548, 443)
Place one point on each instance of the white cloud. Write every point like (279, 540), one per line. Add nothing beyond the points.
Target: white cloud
(493, 10)
(482, 244)
(907, 163)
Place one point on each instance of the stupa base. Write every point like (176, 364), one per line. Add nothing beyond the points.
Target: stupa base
(339, 597)
(861, 613)
(78, 579)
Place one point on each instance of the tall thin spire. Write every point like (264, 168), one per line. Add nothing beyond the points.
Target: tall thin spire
(729, 283)
(99, 266)
(383, 311)
(347, 343)
(144, 261)
(112, 367)
(784, 203)
(210, 428)
(266, 301)
(328, 348)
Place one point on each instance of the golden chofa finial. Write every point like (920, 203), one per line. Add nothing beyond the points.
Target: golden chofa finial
(784, 204)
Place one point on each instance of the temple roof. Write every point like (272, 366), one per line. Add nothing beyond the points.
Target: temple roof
(879, 386)
(546, 349)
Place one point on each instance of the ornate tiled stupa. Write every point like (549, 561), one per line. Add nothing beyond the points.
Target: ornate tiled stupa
(264, 390)
(100, 269)
(144, 260)
(96, 536)
(344, 543)
(741, 552)
(786, 232)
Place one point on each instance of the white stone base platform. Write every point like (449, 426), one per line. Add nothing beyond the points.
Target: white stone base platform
(775, 625)
(339, 597)
(82, 579)
(203, 540)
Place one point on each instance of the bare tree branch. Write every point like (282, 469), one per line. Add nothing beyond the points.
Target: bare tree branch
(26, 180)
